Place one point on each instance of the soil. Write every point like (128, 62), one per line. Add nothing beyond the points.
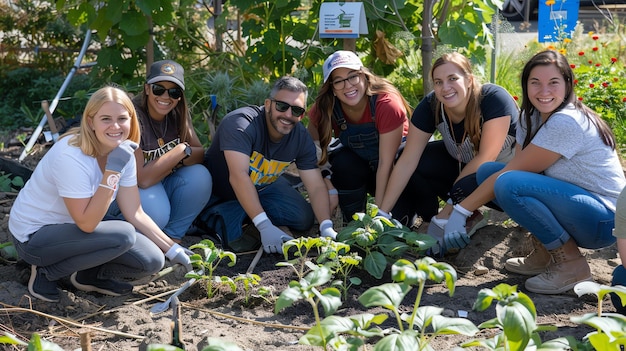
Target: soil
(125, 323)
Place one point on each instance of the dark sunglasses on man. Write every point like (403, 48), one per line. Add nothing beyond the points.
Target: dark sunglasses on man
(282, 106)
(174, 93)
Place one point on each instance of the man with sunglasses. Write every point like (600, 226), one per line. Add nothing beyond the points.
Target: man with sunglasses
(173, 185)
(252, 148)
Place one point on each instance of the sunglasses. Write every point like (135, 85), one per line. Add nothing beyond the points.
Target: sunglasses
(174, 93)
(282, 106)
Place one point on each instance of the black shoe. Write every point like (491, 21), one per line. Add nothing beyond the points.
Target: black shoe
(40, 287)
(88, 282)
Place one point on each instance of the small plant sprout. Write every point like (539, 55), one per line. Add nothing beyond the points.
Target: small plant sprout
(610, 328)
(213, 256)
(342, 266)
(303, 246)
(382, 240)
(516, 317)
(248, 281)
(306, 289)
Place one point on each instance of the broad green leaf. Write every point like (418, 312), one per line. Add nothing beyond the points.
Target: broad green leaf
(388, 295)
(445, 325)
(375, 264)
(288, 297)
(408, 340)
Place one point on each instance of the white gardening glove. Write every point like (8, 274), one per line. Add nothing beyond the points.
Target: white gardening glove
(435, 230)
(179, 255)
(326, 229)
(384, 214)
(455, 234)
(272, 238)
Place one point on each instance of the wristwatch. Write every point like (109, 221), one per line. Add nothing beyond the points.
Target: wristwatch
(187, 150)
(187, 154)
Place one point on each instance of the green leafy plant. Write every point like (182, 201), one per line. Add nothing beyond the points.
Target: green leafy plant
(35, 343)
(210, 259)
(9, 183)
(306, 289)
(381, 240)
(610, 328)
(414, 330)
(248, 282)
(516, 317)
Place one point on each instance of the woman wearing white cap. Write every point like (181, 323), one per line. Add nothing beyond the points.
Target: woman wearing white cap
(369, 116)
(174, 185)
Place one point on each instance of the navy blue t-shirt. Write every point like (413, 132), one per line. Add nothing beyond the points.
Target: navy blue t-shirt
(245, 130)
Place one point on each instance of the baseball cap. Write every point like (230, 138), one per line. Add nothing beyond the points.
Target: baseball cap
(341, 58)
(167, 70)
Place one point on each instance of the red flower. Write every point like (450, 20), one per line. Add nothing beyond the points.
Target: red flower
(581, 53)
(615, 79)
(590, 62)
(575, 81)
(613, 59)
(605, 84)
(595, 48)
(624, 99)
(580, 98)
(598, 64)
(592, 85)
(572, 66)
(515, 98)
(595, 37)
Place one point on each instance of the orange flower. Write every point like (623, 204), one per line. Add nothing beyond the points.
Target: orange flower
(550, 2)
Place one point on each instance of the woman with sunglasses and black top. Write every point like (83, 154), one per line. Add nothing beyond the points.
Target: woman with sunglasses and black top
(368, 115)
(173, 185)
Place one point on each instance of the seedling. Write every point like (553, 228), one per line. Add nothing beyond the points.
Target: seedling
(213, 256)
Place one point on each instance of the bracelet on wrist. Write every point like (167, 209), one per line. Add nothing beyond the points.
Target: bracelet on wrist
(106, 187)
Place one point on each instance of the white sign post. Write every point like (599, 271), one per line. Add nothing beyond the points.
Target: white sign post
(342, 20)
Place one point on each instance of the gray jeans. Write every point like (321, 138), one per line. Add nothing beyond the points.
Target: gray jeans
(115, 246)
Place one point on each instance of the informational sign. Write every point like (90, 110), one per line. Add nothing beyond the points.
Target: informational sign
(557, 20)
(342, 20)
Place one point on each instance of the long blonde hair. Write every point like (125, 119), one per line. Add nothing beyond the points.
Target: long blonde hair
(325, 103)
(472, 119)
(84, 136)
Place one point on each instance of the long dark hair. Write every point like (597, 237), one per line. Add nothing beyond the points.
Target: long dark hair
(325, 102)
(551, 57)
(472, 119)
(180, 113)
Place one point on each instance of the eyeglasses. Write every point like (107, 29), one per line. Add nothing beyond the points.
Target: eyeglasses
(174, 93)
(282, 106)
(353, 79)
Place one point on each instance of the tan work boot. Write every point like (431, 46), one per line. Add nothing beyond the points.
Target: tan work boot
(568, 268)
(534, 263)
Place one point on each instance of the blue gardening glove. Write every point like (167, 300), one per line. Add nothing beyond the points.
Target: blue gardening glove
(179, 255)
(272, 238)
(455, 234)
(119, 157)
(326, 229)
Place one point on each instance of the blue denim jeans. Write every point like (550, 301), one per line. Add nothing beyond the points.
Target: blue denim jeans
(175, 202)
(283, 204)
(552, 210)
(619, 278)
(115, 246)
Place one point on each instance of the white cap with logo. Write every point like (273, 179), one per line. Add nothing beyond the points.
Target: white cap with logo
(339, 59)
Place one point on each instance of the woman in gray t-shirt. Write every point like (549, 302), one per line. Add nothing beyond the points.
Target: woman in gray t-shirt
(562, 184)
